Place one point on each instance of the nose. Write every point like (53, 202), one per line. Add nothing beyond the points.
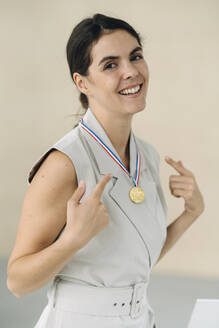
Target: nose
(129, 70)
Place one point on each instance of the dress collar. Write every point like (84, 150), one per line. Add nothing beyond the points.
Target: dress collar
(105, 163)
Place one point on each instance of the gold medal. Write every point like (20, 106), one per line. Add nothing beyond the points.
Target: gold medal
(136, 194)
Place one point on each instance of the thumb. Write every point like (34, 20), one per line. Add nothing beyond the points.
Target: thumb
(79, 192)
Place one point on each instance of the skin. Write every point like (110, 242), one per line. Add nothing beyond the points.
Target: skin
(182, 185)
(102, 85)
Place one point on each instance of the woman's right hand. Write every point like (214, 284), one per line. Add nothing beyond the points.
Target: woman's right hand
(85, 220)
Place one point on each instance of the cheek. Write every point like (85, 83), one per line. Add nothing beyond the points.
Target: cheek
(145, 71)
(108, 84)
(104, 83)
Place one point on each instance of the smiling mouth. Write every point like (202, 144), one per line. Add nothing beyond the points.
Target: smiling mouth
(132, 93)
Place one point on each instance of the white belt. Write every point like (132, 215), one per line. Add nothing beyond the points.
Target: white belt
(103, 301)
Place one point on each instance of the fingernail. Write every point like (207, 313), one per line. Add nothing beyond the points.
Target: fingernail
(81, 184)
(168, 158)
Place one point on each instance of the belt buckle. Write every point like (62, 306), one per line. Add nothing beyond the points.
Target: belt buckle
(138, 296)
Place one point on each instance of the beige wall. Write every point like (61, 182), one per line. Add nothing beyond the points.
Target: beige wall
(180, 119)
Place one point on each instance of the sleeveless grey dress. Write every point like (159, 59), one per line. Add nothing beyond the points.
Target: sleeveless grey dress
(125, 252)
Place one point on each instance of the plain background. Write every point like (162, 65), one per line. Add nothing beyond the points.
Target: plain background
(38, 98)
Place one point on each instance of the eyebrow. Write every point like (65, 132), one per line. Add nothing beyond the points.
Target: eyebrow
(117, 57)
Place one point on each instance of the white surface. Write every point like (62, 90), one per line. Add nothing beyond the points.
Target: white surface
(205, 314)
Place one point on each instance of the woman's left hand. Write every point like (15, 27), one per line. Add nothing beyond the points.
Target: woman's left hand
(184, 185)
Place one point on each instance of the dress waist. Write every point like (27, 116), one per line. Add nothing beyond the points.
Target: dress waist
(104, 301)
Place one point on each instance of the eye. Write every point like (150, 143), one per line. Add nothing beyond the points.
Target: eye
(140, 56)
(108, 66)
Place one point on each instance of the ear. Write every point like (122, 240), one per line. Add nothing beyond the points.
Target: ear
(81, 83)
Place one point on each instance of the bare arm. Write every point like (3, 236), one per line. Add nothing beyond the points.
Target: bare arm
(33, 271)
(183, 185)
(175, 231)
(36, 258)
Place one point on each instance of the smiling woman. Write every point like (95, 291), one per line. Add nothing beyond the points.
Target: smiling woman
(103, 65)
(115, 83)
(98, 240)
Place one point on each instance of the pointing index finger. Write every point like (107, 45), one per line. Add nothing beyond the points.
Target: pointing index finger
(98, 190)
(178, 166)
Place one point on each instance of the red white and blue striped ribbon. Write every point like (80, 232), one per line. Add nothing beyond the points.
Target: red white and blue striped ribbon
(112, 155)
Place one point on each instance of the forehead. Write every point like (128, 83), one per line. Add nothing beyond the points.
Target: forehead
(115, 43)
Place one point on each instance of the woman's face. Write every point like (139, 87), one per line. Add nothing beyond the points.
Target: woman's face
(106, 77)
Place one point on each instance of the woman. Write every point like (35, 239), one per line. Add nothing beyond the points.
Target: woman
(98, 241)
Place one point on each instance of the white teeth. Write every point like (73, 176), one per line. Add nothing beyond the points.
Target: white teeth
(130, 91)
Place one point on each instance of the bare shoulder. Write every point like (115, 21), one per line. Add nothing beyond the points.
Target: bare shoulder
(56, 162)
(44, 208)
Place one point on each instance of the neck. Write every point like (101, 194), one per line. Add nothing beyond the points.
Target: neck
(118, 130)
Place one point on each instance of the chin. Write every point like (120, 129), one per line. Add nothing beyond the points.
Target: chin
(138, 107)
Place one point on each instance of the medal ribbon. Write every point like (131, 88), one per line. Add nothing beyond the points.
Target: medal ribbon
(112, 155)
